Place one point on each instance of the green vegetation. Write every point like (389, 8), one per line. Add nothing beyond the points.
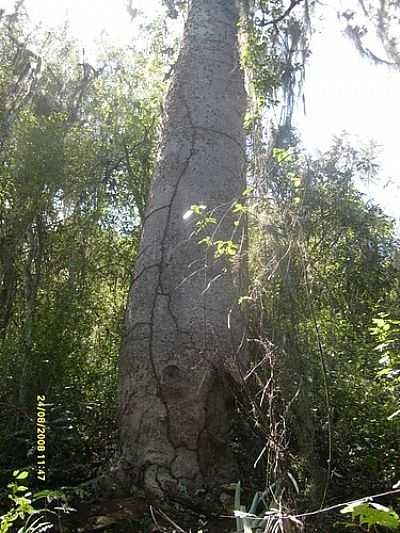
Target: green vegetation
(24, 510)
(77, 150)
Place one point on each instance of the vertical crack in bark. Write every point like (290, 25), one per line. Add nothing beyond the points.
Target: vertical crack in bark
(173, 424)
(162, 292)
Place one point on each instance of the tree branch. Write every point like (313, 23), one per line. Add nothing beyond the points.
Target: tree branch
(293, 4)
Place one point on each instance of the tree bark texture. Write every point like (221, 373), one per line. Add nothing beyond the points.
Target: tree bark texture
(184, 330)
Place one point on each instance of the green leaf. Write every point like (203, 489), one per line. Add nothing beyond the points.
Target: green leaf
(247, 191)
(198, 209)
(295, 179)
(207, 241)
(239, 208)
(46, 492)
(231, 248)
(297, 201)
(280, 154)
(22, 475)
(371, 514)
(383, 372)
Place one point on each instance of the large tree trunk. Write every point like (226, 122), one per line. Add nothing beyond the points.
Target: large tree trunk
(184, 330)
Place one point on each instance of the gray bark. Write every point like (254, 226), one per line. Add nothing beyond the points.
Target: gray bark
(184, 329)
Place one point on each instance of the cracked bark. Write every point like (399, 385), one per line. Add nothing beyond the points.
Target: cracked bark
(179, 345)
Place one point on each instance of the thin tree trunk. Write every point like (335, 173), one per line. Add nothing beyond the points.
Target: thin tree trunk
(32, 275)
(8, 284)
(184, 329)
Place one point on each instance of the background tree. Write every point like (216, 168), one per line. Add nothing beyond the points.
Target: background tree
(322, 269)
(78, 147)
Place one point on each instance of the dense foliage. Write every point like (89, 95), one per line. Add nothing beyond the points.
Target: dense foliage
(77, 149)
(325, 292)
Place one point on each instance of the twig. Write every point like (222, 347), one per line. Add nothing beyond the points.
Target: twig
(325, 510)
(166, 517)
(337, 506)
(293, 4)
(153, 516)
(323, 369)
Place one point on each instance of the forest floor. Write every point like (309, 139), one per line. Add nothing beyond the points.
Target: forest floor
(124, 515)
